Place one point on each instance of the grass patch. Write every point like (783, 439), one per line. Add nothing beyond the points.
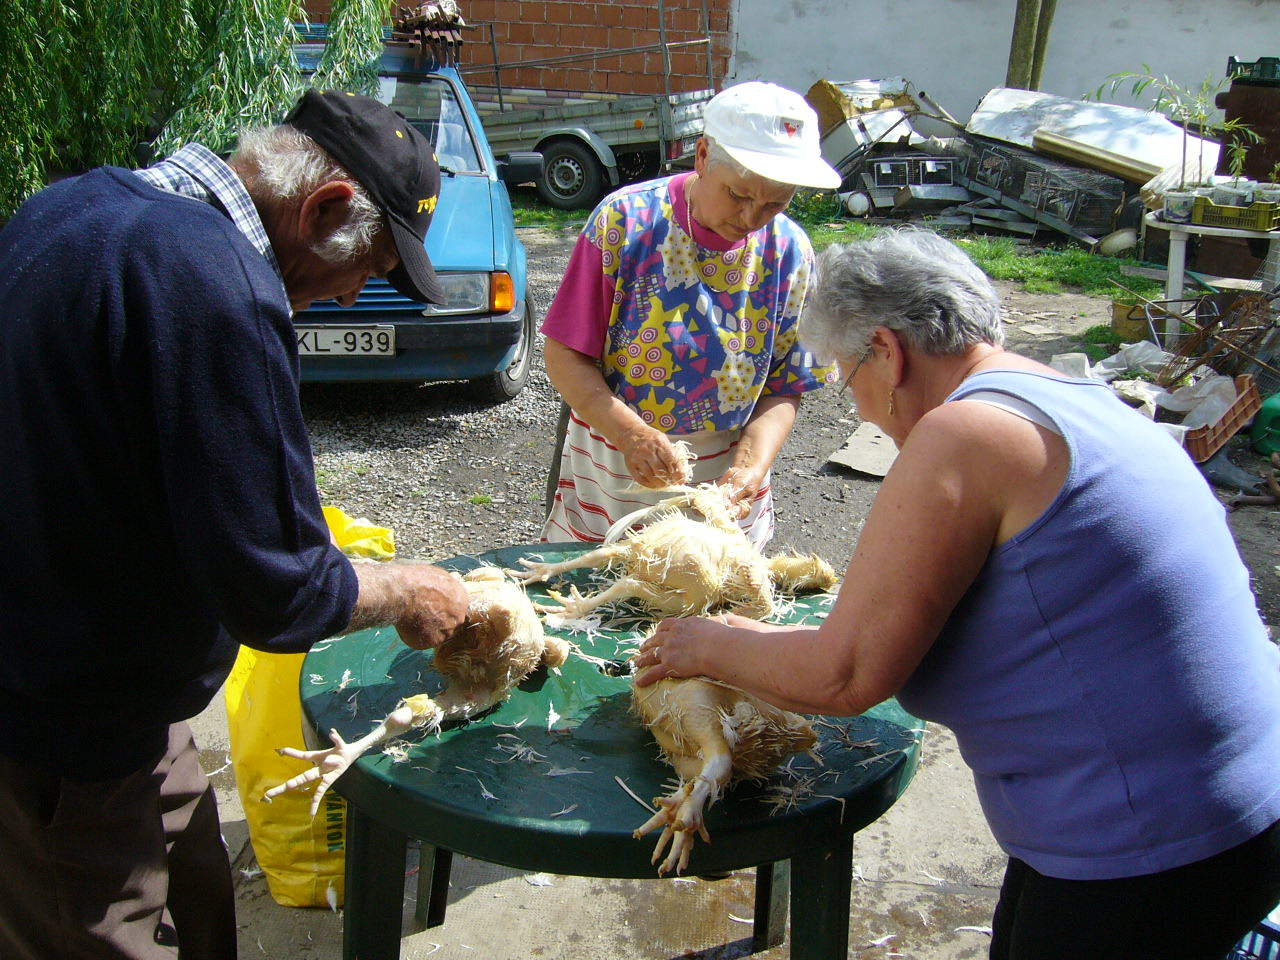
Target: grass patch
(1053, 269)
(529, 211)
(1099, 342)
(820, 213)
(480, 499)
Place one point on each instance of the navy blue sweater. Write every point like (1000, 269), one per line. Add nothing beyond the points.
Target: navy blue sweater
(157, 493)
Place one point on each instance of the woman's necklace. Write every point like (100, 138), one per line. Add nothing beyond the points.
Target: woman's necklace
(688, 205)
(747, 256)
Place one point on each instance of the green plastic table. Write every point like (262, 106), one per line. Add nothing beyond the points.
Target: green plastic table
(535, 785)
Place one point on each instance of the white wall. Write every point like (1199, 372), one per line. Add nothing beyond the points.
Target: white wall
(957, 50)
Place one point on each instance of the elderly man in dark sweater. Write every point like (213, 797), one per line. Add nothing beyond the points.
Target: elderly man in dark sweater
(160, 506)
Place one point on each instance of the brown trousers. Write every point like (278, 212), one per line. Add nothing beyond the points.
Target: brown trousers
(126, 869)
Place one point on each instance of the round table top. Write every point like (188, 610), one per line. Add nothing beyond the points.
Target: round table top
(538, 782)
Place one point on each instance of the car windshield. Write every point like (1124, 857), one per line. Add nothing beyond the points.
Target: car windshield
(430, 105)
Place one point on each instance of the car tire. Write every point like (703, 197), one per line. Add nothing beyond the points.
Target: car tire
(572, 178)
(504, 384)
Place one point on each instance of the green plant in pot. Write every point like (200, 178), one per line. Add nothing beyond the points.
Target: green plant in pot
(1189, 108)
(1270, 191)
(1240, 191)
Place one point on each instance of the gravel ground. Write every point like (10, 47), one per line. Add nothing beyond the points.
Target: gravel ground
(454, 476)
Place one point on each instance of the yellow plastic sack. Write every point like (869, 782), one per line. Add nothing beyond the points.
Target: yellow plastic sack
(360, 538)
(303, 858)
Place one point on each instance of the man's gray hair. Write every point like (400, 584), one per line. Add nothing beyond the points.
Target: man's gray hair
(288, 165)
(920, 286)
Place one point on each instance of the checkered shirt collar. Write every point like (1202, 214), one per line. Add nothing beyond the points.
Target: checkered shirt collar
(195, 171)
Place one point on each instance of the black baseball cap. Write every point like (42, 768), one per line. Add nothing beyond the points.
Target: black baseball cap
(393, 162)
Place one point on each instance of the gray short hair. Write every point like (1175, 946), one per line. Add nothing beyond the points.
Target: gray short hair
(718, 155)
(920, 286)
(288, 165)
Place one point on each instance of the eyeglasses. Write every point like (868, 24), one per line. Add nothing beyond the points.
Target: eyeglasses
(854, 372)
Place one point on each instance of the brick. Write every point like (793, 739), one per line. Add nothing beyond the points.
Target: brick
(518, 33)
(532, 11)
(637, 18)
(579, 38)
(559, 12)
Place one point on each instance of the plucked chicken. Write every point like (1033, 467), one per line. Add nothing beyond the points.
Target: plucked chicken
(501, 643)
(679, 566)
(712, 735)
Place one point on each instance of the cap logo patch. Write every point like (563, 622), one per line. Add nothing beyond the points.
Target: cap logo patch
(427, 206)
(791, 127)
(400, 134)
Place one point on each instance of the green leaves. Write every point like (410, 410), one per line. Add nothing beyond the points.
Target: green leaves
(352, 48)
(94, 82)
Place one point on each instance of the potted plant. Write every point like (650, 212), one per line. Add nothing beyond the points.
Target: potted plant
(1270, 191)
(1188, 108)
(1239, 191)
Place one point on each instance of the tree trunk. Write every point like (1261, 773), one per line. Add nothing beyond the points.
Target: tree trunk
(1023, 47)
(1044, 23)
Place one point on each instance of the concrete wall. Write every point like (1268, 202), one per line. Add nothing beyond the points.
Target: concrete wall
(957, 50)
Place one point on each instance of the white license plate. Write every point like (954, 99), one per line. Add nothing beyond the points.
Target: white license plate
(362, 341)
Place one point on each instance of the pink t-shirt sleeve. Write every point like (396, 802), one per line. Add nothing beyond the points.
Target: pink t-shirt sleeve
(579, 315)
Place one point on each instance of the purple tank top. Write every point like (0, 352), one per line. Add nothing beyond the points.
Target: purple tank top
(1107, 675)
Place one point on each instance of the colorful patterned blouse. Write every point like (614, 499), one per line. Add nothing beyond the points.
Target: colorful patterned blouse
(689, 333)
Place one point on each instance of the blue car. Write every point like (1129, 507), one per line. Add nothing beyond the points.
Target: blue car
(486, 331)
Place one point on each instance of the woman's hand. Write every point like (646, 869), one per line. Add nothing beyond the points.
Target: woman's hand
(652, 460)
(673, 650)
(741, 485)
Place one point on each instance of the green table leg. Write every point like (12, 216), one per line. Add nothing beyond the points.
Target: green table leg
(434, 864)
(820, 884)
(374, 889)
(773, 890)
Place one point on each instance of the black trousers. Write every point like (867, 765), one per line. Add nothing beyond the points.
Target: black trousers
(126, 869)
(1193, 912)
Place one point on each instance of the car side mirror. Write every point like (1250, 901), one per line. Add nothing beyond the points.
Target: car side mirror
(520, 167)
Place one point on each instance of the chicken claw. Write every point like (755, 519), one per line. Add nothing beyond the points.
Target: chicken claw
(680, 816)
(330, 764)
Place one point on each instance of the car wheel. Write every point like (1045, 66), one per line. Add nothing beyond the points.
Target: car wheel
(505, 384)
(572, 177)
(637, 165)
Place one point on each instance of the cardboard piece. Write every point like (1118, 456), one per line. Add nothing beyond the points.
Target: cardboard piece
(867, 450)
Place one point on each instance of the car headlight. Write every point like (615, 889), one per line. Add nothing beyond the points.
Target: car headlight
(473, 293)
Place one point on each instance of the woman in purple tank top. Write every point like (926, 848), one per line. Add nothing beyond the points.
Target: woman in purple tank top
(1124, 742)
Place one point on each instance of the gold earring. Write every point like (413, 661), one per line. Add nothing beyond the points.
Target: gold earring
(891, 406)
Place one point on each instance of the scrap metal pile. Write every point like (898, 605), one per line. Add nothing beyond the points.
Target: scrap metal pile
(1025, 163)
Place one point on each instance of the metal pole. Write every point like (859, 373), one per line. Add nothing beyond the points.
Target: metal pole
(497, 69)
(664, 112)
(711, 68)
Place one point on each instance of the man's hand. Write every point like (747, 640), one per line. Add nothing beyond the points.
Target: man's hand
(425, 603)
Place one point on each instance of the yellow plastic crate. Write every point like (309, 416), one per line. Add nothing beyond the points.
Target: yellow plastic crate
(1260, 215)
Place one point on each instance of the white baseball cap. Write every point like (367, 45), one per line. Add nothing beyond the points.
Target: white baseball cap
(772, 132)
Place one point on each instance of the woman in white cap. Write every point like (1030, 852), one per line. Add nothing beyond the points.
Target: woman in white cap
(676, 323)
